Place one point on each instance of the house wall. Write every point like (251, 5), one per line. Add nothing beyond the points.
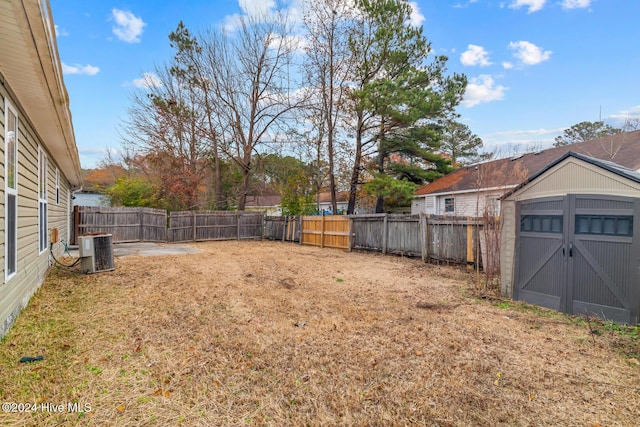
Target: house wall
(418, 206)
(31, 266)
(469, 204)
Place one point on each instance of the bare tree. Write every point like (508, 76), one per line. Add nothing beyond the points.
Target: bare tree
(165, 129)
(251, 71)
(328, 66)
(189, 66)
(631, 124)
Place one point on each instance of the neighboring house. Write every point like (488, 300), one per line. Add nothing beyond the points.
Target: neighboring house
(475, 190)
(90, 198)
(40, 159)
(323, 202)
(269, 204)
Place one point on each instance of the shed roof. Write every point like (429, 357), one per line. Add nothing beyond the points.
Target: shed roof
(622, 149)
(615, 168)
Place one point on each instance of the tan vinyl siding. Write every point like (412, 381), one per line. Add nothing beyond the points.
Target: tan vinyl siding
(578, 177)
(507, 245)
(31, 266)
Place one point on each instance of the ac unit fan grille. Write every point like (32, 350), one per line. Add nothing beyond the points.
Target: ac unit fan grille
(103, 253)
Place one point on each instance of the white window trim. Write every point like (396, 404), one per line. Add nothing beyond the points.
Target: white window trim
(10, 191)
(43, 166)
(453, 205)
(57, 186)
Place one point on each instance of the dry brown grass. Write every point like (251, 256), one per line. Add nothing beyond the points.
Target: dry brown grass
(269, 333)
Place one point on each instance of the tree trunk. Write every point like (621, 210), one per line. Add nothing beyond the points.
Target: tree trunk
(244, 189)
(355, 175)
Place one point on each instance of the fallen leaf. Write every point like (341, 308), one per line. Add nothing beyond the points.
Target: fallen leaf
(167, 393)
(121, 408)
(158, 392)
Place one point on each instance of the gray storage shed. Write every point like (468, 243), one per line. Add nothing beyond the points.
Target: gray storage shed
(570, 239)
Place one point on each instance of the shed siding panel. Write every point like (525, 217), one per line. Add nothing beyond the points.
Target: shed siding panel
(578, 177)
(507, 246)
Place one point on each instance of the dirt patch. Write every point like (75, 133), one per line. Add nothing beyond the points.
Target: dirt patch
(270, 333)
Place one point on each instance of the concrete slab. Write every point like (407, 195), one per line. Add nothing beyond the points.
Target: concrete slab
(144, 249)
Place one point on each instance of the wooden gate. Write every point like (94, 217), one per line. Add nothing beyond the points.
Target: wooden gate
(580, 254)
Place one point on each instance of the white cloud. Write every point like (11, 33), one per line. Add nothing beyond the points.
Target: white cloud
(533, 5)
(482, 89)
(417, 18)
(60, 32)
(291, 43)
(575, 4)
(507, 65)
(87, 70)
(128, 27)
(529, 132)
(257, 8)
(528, 53)
(460, 5)
(625, 114)
(475, 55)
(148, 80)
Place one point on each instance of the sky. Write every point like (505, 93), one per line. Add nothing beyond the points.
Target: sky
(535, 67)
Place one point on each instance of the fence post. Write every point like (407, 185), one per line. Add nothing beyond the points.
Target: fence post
(194, 226)
(470, 257)
(322, 232)
(284, 227)
(238, 225)
(350, 234)
(141, 229)
(385, 230)
(423, 237)
(76, 224)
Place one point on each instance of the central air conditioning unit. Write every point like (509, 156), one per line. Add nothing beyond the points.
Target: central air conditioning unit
(96, 253)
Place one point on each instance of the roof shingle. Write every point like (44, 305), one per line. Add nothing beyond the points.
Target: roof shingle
(622, 149)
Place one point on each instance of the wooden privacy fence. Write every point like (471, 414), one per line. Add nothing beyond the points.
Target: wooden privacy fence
(124, 224)
(331, 231)
(189, 226)
(439, 238)
(150, 225)
(285, 228)
(449, 239)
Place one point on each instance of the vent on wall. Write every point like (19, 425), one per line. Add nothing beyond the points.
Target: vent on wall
(96, 253)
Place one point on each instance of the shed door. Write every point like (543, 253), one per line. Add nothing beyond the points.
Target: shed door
(590, 266)
(540, 266)
(602, 258)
